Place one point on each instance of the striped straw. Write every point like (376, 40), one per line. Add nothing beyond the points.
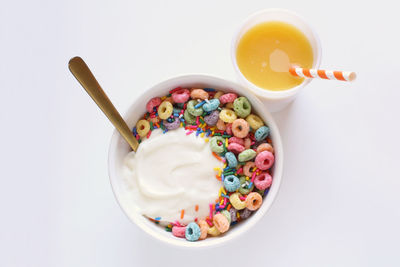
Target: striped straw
(323, 74)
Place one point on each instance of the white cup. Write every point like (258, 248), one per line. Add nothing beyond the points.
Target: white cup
(119, 148)
(276, 100)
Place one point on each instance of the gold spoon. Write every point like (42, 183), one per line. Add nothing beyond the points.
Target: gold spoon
(86, 78)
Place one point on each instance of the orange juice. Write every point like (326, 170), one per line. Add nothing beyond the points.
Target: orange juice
(266, 51)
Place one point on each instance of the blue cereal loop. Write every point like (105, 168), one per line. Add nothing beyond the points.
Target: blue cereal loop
(212, 104)
(192, 232)
(231, 183)
(231, 159)
(261, 133)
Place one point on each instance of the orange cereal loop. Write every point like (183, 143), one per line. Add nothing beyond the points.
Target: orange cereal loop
(221, 125)
(240, 128)
(221, 222)
(199, 94)
(247, 168)
(265, 147)
(203, 229)
(253, 201)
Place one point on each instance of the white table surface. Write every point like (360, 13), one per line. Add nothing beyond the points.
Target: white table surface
(340, 194)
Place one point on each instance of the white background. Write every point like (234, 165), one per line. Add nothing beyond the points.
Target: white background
(340, 194)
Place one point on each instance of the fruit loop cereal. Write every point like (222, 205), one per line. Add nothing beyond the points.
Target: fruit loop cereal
(237, 137)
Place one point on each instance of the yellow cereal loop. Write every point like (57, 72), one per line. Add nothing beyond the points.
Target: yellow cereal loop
(254, 121)
(142, 127)
(236, 202)
(218, 94)
(165, 110)
(213, 231)
(227, 115)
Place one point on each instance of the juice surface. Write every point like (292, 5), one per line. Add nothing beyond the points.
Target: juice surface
(266, 51)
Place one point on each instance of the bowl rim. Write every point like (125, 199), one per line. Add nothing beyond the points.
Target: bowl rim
(138, 219)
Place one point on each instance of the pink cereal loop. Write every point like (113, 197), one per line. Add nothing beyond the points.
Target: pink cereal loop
(221, 223)
(253, 201)
(247, 167)
(264, 160)
(236, 140)
(263, 181)
(154, 102)
(227, 98)
(235, 148)
(179, 231)
(199, 94)
(247, 143)
(240, 128)
(221, 125)
(203, 229)
(181, 96)
(265, 147)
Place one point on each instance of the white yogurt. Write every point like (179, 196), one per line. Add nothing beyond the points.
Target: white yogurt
(172, 172)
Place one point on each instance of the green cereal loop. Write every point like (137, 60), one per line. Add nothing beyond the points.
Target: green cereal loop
(247, 155)
(242, 107)
(214, 144)
(189, 118)
(227, 215)
(244, 186)
(192, 110)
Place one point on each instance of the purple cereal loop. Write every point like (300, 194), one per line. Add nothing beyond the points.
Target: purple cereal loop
(245, 213)
(172, 125)
(213, 118)
(233, 211)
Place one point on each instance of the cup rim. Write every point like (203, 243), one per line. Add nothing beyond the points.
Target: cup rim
(266, 93)
(139, 219)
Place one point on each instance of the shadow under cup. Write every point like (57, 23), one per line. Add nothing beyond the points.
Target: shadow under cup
(275, 100)
(119, 149)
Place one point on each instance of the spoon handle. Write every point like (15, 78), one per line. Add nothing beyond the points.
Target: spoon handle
(86, 78)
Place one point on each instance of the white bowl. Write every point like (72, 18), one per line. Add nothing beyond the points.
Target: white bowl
(119, 148)
(276, 100)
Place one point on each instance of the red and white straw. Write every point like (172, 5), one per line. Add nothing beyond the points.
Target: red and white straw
(323, 74)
